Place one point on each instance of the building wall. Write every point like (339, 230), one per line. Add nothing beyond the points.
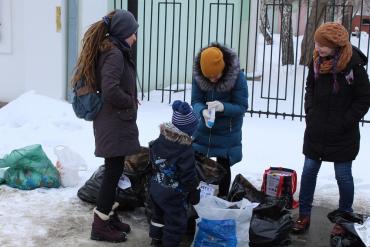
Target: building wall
(89, 13)
(36, 58)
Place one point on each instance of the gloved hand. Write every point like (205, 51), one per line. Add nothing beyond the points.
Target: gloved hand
(216, 104)
(194, 197)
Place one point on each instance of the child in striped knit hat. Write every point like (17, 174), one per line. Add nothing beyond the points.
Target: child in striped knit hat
(174, 182)
(337, 98)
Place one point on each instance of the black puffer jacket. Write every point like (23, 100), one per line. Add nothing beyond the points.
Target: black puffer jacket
(332, 119)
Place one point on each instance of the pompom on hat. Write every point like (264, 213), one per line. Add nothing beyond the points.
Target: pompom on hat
(183, 117)
(212, 62)
(332, 35)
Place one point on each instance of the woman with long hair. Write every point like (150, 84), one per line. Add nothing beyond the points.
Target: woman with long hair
(105, 64)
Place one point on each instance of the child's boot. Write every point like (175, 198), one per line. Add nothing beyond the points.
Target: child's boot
(156, 243)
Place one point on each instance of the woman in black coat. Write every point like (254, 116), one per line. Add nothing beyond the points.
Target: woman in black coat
(337, 98)
(105, 64)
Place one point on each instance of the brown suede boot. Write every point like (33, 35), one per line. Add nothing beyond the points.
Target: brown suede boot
(116, 222)
(301, 225)
(103, 231)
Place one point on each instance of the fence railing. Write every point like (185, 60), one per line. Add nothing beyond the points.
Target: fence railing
(273, 39)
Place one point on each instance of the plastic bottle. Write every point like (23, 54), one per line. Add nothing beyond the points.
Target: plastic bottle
(211, 120)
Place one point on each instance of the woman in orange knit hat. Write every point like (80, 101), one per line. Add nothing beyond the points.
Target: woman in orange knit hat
(337, 98)
(219, 86)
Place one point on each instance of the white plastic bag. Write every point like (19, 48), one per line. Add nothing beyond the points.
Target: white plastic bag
(220, 217)
(69, 163)
(363, 231)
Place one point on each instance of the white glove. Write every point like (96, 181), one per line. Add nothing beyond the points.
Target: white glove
(216, 104)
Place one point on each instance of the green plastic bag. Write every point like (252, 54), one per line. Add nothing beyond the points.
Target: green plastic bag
(29, 168)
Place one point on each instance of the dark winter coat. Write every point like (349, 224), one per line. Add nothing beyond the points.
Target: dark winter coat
(173, 160)
(332, 119)
(115, 129)
(224, 139)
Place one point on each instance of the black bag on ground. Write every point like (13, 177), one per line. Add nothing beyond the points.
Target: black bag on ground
(271, 222)
(346, 220)
(208, 170)
(137, 169)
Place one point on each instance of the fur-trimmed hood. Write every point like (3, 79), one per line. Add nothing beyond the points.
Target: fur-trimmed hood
(230, 74)
(173, 134)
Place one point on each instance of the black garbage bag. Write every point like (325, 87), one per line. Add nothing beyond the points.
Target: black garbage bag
(137, 169)
(208, 170)
(89, 191)
(271, 222)
(265, 231)
(242, 188)
(346, 221)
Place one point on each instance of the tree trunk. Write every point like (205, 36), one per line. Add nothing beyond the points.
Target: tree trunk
(264, 23)
(286, 32)
(314, 20)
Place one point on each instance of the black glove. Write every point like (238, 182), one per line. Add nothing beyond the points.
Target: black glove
(194, 197)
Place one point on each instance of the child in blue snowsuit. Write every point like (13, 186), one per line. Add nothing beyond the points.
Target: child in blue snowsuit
(174, 182)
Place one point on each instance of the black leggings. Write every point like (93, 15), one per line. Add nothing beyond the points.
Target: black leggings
(107, 193)
(223, 189)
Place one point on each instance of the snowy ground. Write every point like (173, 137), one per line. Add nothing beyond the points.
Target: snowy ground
(56, 217)
(45, 217)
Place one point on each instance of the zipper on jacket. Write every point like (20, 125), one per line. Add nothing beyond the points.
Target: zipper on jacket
(230, 124)
(209, 142)
(210, 130)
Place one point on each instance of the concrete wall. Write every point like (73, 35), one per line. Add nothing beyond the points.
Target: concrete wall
(32, 51)
(90, 12)
(37, 56)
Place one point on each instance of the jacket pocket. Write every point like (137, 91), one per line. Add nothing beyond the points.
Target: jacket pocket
(127, 114)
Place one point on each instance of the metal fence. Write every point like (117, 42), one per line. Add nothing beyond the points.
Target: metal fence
(273, 39)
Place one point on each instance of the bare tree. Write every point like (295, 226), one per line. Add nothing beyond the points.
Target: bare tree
(317, 12)
(286, 32)
(286, 35)
(265, 23)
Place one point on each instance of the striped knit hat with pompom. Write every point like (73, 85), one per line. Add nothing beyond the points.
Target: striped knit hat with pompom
(183, 117)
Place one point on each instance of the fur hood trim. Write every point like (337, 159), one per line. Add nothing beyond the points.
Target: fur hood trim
(230, 74)
(171, 133)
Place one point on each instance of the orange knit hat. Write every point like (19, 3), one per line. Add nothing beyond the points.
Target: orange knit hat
(332, 35)
(212, 62)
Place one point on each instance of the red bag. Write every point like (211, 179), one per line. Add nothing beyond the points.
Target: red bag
(280, 182)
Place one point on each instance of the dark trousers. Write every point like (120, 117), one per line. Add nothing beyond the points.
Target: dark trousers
(343, 175)
(224, 186)
(169, 219)
(107, 193)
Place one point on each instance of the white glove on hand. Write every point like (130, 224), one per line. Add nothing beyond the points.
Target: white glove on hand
(216, 104)
(206, 116)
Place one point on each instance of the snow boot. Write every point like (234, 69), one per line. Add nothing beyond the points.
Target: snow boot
(116, 222)
(102, 230)
(156, 243)
(301, 225)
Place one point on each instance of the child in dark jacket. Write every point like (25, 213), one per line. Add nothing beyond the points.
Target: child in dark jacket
(174, 182)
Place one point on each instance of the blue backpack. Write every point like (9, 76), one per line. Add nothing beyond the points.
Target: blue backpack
(86, 103)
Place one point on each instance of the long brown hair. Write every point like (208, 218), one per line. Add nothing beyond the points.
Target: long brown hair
(94, 41)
